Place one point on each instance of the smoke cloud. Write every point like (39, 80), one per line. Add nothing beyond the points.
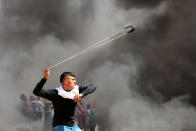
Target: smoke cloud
(167, 49)
(139, 4)
(140, 77)
(127, 109)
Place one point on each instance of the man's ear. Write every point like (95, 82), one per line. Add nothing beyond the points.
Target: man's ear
(65, 81)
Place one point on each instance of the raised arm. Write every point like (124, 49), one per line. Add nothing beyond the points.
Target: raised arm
(38, 91)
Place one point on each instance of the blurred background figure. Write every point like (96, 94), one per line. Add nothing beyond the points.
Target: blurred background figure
(47, 115)
(82, 115)
(92, 120)
(23, 105)
(38, 108)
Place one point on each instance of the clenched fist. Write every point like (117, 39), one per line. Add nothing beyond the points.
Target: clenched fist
(46, 74)
(77, 97)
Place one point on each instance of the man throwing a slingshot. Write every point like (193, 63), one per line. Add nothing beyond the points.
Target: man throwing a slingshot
(64, 99)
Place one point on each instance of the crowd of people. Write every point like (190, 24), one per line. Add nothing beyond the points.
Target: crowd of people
(36, 109)
(39, 109)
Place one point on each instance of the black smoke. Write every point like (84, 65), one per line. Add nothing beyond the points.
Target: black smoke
(127, 4)
(167, 45)
(24, 22)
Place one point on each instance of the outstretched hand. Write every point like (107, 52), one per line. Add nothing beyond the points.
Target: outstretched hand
(46, 74)
(78, 97)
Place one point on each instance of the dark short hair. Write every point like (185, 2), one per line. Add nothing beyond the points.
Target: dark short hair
(65, 74)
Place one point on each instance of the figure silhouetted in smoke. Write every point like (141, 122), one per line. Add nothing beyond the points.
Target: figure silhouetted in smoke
(23, 105)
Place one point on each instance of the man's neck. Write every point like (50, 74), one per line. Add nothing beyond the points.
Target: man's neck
(66, 89)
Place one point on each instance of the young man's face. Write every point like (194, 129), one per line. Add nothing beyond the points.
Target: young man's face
(69, 83)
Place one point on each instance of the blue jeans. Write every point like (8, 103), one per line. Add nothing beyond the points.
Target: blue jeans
(66, 128)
